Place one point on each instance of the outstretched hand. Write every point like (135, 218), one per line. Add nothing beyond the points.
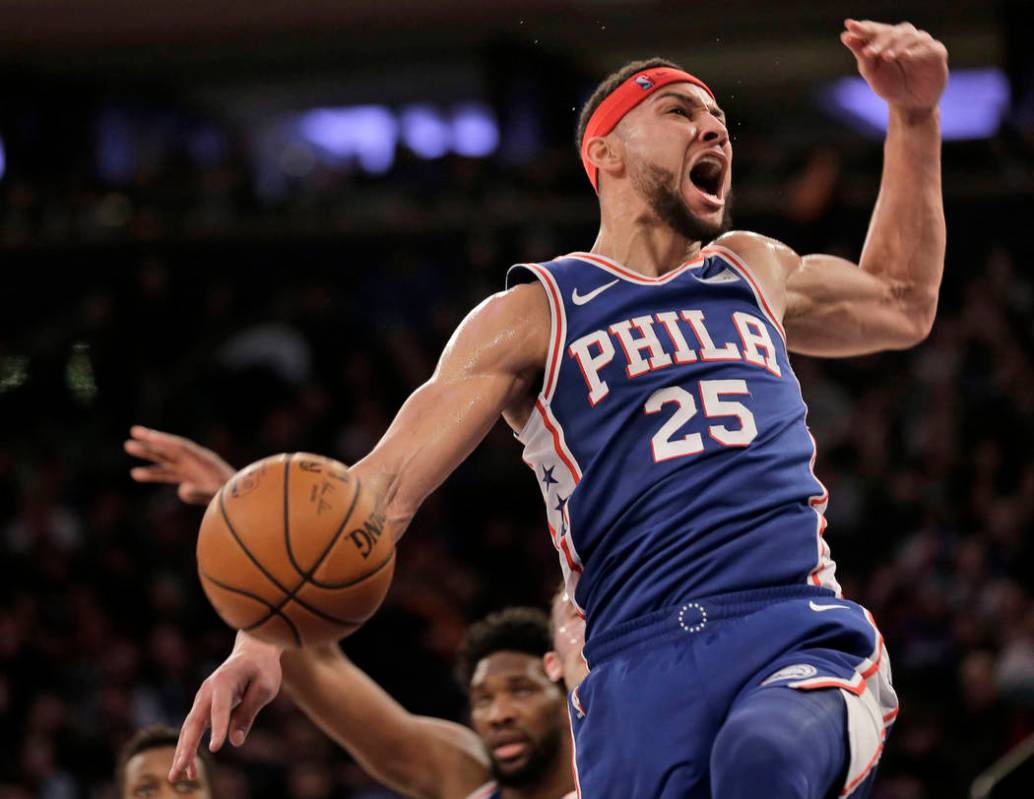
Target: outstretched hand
(199, 472)
(906, 67)
(228, 701)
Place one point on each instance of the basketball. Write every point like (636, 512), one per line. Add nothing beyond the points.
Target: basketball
(293, 551)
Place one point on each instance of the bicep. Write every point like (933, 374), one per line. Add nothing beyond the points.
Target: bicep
(834, 308)
(492, 359)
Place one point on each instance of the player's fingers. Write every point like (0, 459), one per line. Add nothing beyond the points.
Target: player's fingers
(865, 28)
(894, 39)
(153, 474)
(903, 38)
(255, 698)
(158, 440)
(141, 449)
(853, 41)
(190, 735)
(193, 494)
(223, 696)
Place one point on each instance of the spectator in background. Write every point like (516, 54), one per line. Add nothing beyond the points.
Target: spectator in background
(144, 763)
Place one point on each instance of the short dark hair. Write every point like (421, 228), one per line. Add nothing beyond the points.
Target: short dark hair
(517, 629)
(154, 737)
(608, 85)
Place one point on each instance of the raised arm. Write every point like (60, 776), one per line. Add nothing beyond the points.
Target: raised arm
(888, 300)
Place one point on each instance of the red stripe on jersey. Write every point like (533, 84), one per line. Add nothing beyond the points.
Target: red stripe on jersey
(575, 474)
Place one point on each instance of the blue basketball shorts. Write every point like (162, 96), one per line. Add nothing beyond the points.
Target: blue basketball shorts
(661, 687)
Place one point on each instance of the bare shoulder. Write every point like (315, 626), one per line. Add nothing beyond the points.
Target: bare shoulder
(506, 332)
(765, 255)
(770, 261)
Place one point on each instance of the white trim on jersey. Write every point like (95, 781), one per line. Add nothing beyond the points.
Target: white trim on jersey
(613, 267)
(557, 329)
(871, 704)
(545, 445)
(484, 791)
(557, 481)
(824, 573)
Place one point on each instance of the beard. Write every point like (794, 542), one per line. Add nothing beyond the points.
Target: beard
(659, 188)
(541, 758)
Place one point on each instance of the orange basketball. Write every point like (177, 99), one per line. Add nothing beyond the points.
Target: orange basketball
(293, 551)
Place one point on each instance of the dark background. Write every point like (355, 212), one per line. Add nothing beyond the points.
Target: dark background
(166, 260)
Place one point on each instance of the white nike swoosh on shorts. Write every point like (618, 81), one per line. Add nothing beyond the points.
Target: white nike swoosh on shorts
(820, 608)
(581, 299)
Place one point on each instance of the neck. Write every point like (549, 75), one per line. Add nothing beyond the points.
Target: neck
(631, 234)
(557, 783)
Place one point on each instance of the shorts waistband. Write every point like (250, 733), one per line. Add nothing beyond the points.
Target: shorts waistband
(692, 616)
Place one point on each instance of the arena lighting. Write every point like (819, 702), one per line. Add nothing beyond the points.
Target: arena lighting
(370, 133)
(972, 106)
(366, 132)
(425, 132)
(475, 133)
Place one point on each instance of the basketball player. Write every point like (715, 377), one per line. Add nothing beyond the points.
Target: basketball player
(650, 384)
(520, 745)
(144, 764)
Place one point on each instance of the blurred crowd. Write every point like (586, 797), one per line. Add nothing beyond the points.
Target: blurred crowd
(257, 344)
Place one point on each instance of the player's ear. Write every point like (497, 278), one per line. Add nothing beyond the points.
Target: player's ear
(607, 154)
(552, 665)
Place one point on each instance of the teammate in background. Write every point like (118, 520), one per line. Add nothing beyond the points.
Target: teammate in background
(144, 764)
(649, 381)
(520, 745)
(516, 666)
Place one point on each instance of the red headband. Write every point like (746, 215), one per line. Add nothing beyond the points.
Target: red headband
(622, 100)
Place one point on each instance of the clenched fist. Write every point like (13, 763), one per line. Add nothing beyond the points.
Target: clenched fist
(906, 67)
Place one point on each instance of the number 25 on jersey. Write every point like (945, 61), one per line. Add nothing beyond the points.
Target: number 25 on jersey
(712, 398)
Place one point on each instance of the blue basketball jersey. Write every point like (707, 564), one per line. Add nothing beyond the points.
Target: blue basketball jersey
(669, 438)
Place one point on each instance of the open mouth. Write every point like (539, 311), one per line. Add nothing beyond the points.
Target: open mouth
(509, 746)
(708, 176)
(510, 751)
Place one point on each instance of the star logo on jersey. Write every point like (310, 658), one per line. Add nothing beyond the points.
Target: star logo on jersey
(560, 502)
(547, 476)
(581, 299)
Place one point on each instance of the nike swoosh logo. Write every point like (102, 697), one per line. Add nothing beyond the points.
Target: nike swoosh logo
(820, 608)
(581, 299)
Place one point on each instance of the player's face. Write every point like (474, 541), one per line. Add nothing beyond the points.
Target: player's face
(147, 775)
(679, 159)
(568, 639)
(520, 714)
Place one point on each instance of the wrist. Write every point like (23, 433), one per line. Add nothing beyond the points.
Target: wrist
(246, 642)
(913, 116)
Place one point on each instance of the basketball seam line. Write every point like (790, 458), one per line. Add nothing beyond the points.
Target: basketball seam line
(307, 576)
(273, 611)
(289, 595)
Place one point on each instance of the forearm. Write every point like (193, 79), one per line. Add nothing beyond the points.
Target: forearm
(414, 755)
(351, 709)
(906, 240)
(339, 697)
(434, 431)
